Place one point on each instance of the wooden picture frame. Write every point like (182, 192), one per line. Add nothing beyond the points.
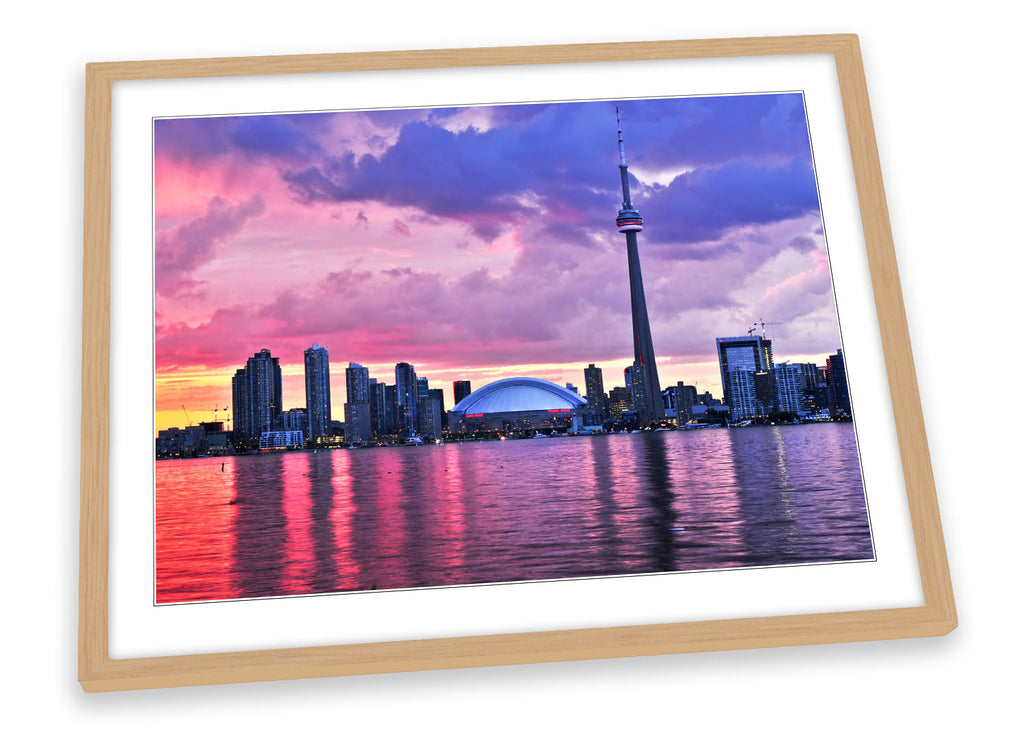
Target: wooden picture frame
(98, 671)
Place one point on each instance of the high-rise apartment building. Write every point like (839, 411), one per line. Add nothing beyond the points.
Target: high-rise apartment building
(835, 369)
(318, 393)
(378, 409)
(391, 409)
(636, 380)
(795, 387)
(686, 398)
(407, 398)
(437, 398)
(746, 364)
(357, 404)
(461, 390)
(597, 400)
(620, 402)
(256, 398)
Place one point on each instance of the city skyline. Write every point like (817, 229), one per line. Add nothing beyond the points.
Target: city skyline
(440, 238)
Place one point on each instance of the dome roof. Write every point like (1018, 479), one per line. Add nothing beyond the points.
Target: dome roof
(519, 394)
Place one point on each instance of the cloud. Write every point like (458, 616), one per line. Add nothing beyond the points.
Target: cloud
(182, 249)
(703, 205)
(503, 218)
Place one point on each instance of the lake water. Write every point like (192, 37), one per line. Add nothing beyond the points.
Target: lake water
(382, 518)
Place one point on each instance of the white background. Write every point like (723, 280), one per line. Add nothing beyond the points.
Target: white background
(942, 88)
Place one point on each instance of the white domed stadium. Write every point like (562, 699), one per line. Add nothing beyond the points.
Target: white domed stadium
(520, 404)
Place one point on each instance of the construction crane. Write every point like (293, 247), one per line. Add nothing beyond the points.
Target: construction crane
(215, 410)
(762, 323)
(187, 418)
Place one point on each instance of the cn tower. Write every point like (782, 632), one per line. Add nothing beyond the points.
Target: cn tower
(650, 407)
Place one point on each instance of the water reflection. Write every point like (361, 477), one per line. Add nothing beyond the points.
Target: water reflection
(321, 472)
(507, 511)
(259, 531)
(604, 526)
(659, 495)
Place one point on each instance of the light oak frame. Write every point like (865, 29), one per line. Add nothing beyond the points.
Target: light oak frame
(97, 671)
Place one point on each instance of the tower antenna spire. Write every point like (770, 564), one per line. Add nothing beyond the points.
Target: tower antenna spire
(626, 202)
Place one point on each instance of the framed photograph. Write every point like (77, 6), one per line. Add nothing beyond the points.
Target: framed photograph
(438, 359)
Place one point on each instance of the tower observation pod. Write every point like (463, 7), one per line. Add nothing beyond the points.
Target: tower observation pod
(650, 407)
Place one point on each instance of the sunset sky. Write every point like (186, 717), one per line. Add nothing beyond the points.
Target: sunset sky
(480, 243)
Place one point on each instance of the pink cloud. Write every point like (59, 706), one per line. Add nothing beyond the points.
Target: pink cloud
(182, 249)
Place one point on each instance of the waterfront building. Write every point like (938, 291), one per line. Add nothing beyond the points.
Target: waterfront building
(788, 387)
(357, 422)
(357, 384)
(746, 363)
(620, 402)
(391, 410)
(318, 393)
(636, 380)
(176, 442)
(705, 399)
(406, 398)
(764, 391)
(281, 439)
(432, 420)
(437, 395)
(630, 223)
(461, 389)
(837, 384)
(795, 387)
(519, 404)
(357, 404)
(256, 398)
(294, 419)
(422, 393)
(597, 400)
(378, 409)
(686, 399)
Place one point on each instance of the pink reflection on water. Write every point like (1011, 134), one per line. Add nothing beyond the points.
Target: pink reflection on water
(347, 520)
(334, 470)
(297, 506)
(451, 493)
(194, 523)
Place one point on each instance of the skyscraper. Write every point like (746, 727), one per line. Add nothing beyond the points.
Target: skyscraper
(256, 398)
(357, 404)
(686, 398)
(630, 223)
(318, 393)
(378, 409)
(437, 395)
(422, 394)
(636, 381)
(357, 383)
(840, 390)
(462, 389)
(597, 400)
(407, 396)
(746, 365)
(620, 402)
(795, 385)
